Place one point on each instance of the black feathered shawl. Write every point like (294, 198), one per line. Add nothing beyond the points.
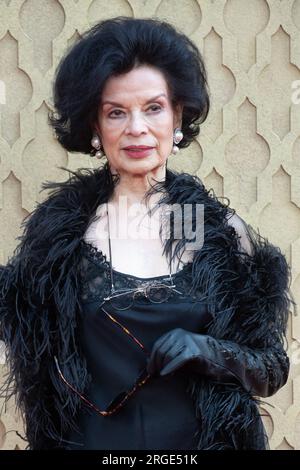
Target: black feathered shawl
(40, 305)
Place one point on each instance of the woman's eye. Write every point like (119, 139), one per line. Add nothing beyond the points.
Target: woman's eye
(155, 107)
(115, 111)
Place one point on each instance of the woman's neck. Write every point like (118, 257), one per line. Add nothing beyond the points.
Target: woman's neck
(133, 189)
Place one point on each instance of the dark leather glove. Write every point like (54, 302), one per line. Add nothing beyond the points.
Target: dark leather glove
(261, 371)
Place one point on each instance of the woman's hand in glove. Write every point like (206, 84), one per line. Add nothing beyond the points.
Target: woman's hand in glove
(173, 350)
(261, 371)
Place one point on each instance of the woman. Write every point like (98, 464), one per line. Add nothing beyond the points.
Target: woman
(159, 342)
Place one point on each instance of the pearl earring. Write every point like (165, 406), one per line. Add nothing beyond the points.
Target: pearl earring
(177, 137)
(96, 143)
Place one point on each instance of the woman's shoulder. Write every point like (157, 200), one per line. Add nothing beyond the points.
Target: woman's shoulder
(240, 227)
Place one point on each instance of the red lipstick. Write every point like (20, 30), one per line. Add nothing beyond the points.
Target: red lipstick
(138, 151)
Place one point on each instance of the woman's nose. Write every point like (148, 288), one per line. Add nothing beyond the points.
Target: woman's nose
(137, 124)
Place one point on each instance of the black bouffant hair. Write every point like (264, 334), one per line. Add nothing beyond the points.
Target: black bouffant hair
(115, 46)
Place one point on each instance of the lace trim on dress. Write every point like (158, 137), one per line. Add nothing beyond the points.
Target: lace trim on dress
(95, 254)
(96, 276)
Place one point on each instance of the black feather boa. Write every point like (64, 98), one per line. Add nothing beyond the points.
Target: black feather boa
(249, 301)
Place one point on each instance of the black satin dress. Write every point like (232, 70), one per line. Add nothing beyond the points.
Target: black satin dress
(160, 415)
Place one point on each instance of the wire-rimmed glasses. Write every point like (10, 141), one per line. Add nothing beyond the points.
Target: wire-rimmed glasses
(155, 291)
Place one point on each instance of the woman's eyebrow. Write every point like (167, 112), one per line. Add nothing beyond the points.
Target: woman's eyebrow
(120, 105)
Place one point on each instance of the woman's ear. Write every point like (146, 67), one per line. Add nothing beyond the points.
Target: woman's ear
(96, 130)
(178, 116)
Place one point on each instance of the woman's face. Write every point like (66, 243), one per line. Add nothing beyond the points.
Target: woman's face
(136, 110)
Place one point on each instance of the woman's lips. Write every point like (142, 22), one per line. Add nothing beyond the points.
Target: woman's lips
(138, 152)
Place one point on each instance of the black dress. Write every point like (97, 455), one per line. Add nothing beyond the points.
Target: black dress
(160, 415)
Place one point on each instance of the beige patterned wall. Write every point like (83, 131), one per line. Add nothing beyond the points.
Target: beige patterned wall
(248, 150)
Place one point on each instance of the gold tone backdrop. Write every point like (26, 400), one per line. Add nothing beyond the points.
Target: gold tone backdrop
(248, 149)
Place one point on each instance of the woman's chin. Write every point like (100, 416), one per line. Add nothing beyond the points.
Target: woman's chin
(142, 168)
